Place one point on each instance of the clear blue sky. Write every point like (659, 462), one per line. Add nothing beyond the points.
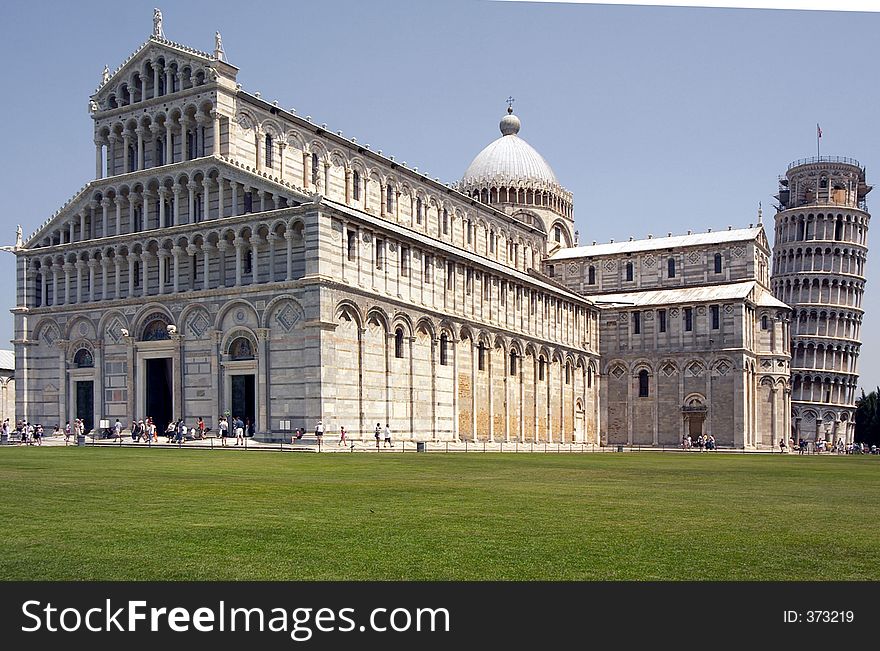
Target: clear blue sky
(657, 119)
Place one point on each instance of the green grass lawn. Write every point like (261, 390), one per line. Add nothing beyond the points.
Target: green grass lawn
(85, 513)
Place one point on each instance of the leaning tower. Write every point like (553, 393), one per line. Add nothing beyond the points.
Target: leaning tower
(819, 260)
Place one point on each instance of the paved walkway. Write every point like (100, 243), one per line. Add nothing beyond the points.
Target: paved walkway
(331, 444)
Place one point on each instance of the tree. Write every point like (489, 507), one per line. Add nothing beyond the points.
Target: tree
(868, 418)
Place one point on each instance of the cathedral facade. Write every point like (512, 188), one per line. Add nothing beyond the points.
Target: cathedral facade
(233, 258)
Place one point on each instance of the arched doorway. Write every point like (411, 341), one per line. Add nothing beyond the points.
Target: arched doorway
(694, 412)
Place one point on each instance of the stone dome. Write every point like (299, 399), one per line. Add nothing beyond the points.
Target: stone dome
(509, 160)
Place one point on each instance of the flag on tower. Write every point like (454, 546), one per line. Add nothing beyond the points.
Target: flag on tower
(818, 131)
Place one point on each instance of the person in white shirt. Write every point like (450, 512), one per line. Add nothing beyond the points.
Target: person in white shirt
(388, 436)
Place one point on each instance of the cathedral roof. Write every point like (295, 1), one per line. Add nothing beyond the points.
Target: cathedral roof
(509, 160)
(700, 294)
(651, 244)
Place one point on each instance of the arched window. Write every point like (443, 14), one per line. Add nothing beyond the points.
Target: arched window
(643, 384)
(268, 150)
(445, 221)
(481, 357)
(629, 270)
(444, 343)
(356, 186)
(249, 261)
(670, 268)
(241, 349)
(248, 202)
(589, 377)
(160, 152)
(418, 210)
(591, 275)
(765, 324)
(314, 169)
(389, 199)
(568, 373)
(513, 362)
(83, 358)
(541, 364)
(398, 343)
(717, 263)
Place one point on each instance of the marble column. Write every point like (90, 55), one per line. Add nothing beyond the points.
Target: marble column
(206, 261)
(175, 252)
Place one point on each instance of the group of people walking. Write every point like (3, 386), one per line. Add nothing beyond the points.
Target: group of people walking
(703, 443)
(236, 427)
(381, 434)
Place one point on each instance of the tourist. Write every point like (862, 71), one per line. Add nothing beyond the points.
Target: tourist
(38, 434)
(56, 431)
(388, 436)
(319, 434)
(239, 430)
(200, 426)
(170, 431)
(67, 433)
(223, 426)
(117, 430)
(181, 431)
(341, 436)
(378, 434)
(781, 446)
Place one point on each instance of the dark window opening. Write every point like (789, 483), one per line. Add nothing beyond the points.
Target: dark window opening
(670, 268)
(716, 316)
(637, 323)
(444, 343)
(629, 270)
(661, 315)
(643, 384)
(688, 319)
(398, 343)
(352, 242)
(717, 263)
